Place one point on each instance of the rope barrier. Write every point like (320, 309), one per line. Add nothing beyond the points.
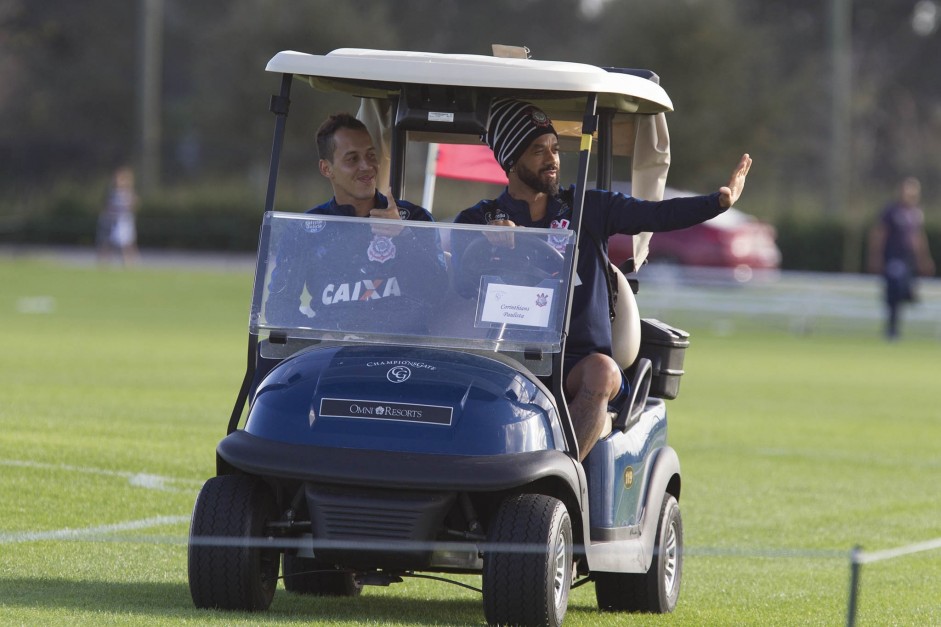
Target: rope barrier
(858, 558)
(114, 533)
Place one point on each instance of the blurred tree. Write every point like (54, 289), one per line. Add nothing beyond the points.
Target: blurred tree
(758, 76)
(898, 96)
(743, 76)
(228, 97)
(68, 105)
(456, 26)
(221, 90)
(732, 88)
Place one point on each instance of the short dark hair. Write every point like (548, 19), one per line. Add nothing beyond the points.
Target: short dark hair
(325, 144)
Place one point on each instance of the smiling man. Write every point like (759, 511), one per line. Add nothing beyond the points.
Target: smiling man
(526, 146)
(349, 161)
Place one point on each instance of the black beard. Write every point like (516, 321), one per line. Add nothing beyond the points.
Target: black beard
(532, 180)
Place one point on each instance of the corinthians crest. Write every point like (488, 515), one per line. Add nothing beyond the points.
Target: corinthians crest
(539, 118)
(381, 249)
(559, 242)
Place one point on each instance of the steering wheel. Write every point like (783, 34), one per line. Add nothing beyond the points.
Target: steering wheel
(532, 260)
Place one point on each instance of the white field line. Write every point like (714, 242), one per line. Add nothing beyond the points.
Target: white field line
(136, 479)
(157, 482)
(887, 554)
(90, 533)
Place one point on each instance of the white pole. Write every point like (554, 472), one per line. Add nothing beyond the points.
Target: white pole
(431, 168)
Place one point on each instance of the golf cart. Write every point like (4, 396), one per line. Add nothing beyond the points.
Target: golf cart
(397, 424)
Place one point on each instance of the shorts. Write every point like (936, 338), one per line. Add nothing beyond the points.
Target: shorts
(899, 282)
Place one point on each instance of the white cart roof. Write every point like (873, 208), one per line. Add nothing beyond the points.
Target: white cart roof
(375, 73)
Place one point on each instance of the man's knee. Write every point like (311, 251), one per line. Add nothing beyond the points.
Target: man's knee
(598, 371)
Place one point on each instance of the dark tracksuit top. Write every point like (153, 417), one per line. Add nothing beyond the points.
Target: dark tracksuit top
(605, 213)
(378, 278)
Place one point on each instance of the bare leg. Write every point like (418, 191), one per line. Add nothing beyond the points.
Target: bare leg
(130, 255)
(593, 382)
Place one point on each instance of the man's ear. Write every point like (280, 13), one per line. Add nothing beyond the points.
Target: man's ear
(326, 168)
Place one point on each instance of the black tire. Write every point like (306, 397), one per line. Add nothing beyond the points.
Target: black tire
(657, 590)
(232, 577)
(529, 583)
(303, 575)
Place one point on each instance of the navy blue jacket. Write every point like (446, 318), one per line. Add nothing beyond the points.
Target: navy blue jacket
(373, 275)
(407, 211)
(605, 213)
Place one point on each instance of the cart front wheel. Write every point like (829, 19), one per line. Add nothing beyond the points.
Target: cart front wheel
(242, 575)
(528, 582)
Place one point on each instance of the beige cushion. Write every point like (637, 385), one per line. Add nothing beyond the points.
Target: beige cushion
(625, 329)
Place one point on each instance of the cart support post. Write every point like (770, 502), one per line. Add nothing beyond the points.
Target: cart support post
(399, 141)
(605, 150)
(279, 106)
(589, 124)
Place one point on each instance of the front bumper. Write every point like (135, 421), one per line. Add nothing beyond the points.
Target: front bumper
(393, 469)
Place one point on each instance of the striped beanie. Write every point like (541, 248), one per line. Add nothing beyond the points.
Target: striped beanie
(514, 124)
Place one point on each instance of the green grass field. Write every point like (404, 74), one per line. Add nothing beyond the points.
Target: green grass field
(117, 385)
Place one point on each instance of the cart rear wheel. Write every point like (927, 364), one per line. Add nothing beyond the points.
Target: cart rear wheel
(241, 576)
(303, 575)
(658, 589)
(528, 583)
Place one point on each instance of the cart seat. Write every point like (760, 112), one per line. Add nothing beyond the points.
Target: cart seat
(625, 328)
(625, 335)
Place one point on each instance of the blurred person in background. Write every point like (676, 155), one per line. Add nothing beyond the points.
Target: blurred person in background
(117, 230)
(898, 250)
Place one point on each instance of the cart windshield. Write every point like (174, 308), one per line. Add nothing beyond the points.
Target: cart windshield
(362, 280)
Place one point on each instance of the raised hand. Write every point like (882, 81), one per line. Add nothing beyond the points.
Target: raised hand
(731, 192)
(389, 213)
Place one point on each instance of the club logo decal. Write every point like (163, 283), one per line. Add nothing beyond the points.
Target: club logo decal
(381, 249)
(314, 226)
(399, 374)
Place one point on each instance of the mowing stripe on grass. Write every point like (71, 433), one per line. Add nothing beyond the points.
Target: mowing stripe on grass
(90, 532)
(887, 461)
(137, 479)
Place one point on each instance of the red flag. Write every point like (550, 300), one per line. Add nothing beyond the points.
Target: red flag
(469, 162)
